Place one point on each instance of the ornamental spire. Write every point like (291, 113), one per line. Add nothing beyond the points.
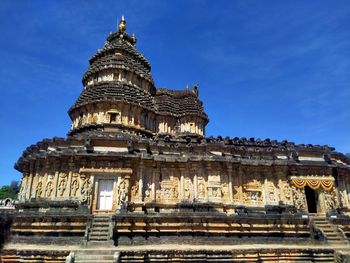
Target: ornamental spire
(122, 25)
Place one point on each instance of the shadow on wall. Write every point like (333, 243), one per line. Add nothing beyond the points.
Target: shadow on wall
(5, 224)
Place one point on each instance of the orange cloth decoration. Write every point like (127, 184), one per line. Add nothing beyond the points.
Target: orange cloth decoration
(313, 183)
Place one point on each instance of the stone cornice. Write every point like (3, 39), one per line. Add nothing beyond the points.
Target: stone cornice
(106, 170)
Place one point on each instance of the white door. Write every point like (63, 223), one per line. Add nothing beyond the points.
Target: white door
(105, 200)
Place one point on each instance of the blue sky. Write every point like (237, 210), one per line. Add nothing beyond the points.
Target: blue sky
(266, 69)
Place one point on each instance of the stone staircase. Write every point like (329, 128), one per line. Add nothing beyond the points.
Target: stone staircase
(101, 228)
(95, 256)
(332, 234)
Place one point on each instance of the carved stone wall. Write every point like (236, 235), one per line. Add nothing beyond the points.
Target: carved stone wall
(161, 183)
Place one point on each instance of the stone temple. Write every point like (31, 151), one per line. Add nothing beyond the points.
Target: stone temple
(136, 180)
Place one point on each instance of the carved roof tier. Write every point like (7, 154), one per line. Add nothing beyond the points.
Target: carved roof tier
(179, 103)
(119, 53)
(182, 149)
(115, 91)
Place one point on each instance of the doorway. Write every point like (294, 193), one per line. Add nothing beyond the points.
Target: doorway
(105, 198)
(311, 199)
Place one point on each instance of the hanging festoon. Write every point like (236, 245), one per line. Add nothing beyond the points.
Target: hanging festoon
(315, 183)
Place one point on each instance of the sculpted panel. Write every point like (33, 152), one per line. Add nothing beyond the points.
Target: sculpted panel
(122, 191)
(202, 188)
(135, 192)
(330, 199)
(214, 188)
(271, 193)
(169, 190)
(62, 183)
(75, 184)
(188, 189)
(253, 192)
(285, 192)
(299, 198)
(39, 190)
(49, 188)
(86, 189)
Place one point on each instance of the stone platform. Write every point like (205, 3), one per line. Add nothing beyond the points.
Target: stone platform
(176, 253)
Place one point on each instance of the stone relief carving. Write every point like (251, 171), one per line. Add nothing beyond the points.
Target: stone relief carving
(122, 192)
(285, 193)
(168, 191)
(271, 193)
(75, 185)
(49, 189)
(202, 188)
(225, 193)
(62, 183)
(188, 189)
(253, 192)
(135, 191)
(299, 198)
(344, 198)
(39, 190)
(236, 192)
(330, 200)
(214, 188)
(148, 192)
(86, 190)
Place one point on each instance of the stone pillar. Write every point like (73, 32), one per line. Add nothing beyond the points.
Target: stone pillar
(56, 178)
(35, 179)
(29, 184)
(181, 188)
(239, 184)
(209, 172)
(141, 176)
(229, 175)
(194, 171)
(70, 176)
(155, 180)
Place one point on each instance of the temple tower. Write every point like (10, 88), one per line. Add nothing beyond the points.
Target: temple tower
(120, 95)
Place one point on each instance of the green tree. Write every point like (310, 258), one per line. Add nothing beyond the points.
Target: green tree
(9, 191)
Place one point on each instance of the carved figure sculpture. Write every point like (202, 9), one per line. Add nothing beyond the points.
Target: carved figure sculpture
(39, 190)
(74, 186)
(329, 200)
(86, 190)
(49, 189)
(201, 189)
(187, 189)
(299, 199)
(135, 190)
(122, 192)
(62, 185)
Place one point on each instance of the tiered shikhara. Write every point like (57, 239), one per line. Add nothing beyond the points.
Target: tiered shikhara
(168, 182)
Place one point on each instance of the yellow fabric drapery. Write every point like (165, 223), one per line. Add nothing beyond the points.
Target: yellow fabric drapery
(315, 183)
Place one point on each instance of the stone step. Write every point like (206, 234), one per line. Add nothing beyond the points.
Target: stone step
(104, 219)
(100, 225)
(99, 239)
(332, 234)
(93, 260)
(99, 229)
(88, 256)
(94, 252)
(98, 235)
(101, 221)
(334, 238)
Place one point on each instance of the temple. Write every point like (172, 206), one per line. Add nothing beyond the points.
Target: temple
(136, 179)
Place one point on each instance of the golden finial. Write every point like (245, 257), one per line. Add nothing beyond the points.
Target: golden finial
(122, 25)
